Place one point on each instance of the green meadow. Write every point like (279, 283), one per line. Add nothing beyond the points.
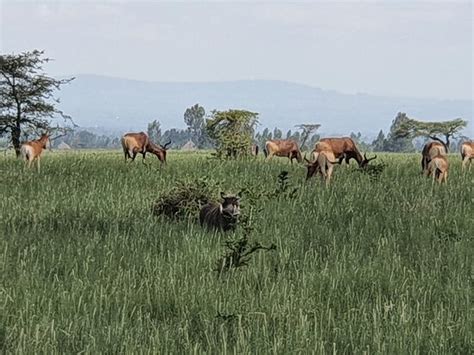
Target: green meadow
(368, 265)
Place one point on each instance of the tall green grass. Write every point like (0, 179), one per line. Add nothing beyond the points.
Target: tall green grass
(363, 266)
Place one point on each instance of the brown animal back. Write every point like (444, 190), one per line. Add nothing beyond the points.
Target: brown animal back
(431, 149)
(441, 162)
(467, 149)
(139, 140)
(339, 145)
(281, 146)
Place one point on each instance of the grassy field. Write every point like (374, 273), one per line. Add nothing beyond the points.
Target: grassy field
(364, 266)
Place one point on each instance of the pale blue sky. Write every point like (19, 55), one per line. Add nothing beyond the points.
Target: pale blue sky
(397, 48)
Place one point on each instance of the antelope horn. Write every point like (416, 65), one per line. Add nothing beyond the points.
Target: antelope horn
(375, 157)
(369, 159)
(166, 145)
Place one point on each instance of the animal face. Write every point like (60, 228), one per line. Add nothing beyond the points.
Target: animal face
(363, 164)
(230, 205)
(161, 155)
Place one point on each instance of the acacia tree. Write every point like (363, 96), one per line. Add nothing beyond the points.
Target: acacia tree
(307, 129)
(194, 119)
(410, 128)
(27, 98)
(232, 131)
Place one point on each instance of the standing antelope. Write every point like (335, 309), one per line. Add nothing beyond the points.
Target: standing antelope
(343, 148)
(134, 143)
(32, 150)
(467, 154)
(323, 164)
(430, 150)
(438, 167)
(282, 148)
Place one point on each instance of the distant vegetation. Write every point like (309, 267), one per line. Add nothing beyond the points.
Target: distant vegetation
(28, 105)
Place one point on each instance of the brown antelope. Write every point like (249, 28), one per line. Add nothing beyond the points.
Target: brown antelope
(282, 148)
(324, 157)
(32, 150)
(430, 150)
(467, 154)
(438, 167)
(343, 148)
(323, 164)
(134, 143)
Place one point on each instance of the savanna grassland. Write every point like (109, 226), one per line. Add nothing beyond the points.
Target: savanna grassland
(367, 265)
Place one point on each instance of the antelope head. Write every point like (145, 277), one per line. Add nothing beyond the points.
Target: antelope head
(363, 164)
(165, 147)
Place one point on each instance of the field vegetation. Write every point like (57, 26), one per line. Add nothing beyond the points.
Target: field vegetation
(373, 263)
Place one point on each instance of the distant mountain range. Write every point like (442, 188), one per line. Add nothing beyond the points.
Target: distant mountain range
(117, 104)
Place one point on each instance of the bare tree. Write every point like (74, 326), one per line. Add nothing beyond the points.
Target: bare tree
(27, 98)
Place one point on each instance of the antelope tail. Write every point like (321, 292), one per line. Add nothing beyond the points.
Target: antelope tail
(265, 151)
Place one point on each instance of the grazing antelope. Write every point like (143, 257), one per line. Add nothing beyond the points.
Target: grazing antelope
(134, 143)
(324, 158)
(221, 216)
(32, 150)
(323, 164)
(343, 148)
(283, 148)
(467, 154)
(438, 167)
(430, 150)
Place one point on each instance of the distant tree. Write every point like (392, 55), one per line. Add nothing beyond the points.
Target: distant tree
(356, 137)
(378, 145)
(232, 132)
(194, 119)
(394, 142)
(288, 134)
(154, 131)
(27, 98)
(314, 138)
(178, 137)
(266, 135)
(296, 136)
(85, 139)
(257, 138)
(277, 133)
(306, 130)
(410, 128)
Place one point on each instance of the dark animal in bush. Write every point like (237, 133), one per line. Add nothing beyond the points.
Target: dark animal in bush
(221, 216)
(134, 143)
(343, 148)
(283, 148)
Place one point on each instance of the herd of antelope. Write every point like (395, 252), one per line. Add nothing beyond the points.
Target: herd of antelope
(326, 153)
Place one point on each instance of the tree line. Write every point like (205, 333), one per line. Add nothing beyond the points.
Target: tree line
(28, 105)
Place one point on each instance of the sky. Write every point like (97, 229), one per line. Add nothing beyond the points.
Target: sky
(394, 48)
